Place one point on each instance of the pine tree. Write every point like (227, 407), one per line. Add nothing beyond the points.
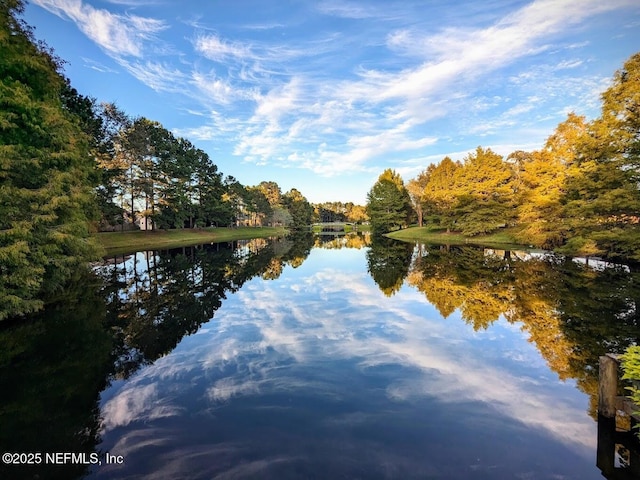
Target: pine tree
(299, 208)
(388, 203)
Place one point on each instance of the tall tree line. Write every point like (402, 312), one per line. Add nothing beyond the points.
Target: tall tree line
(70, 167)
(579, 193)
(151, 177)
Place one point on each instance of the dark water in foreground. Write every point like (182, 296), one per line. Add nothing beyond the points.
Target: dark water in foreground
(283, 360)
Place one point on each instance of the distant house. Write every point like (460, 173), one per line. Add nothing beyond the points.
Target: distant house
(144, 223)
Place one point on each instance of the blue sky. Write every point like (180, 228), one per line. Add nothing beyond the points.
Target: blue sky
(324, 95)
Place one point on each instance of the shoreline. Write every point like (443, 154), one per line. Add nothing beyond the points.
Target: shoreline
(120, 243)
(438, 236)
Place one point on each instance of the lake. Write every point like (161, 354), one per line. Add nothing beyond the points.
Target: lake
(319, 357)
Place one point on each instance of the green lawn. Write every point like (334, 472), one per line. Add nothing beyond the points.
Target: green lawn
(440, 236)
(118, 243)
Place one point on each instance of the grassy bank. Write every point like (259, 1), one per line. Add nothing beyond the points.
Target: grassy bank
(440, 236)
(117, 243)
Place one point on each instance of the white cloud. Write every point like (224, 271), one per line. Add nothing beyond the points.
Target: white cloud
(215, 89)
(94, 65)
(283, 339)
(136, 403)
(213, 48)
(452, 62)
(291, 326)
(158, 76)
(392, 86)
(279, 101)
(347, 9)
(119, 35)
(457, 55)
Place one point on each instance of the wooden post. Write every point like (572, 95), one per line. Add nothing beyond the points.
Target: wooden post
(606, 450)
(607, 386)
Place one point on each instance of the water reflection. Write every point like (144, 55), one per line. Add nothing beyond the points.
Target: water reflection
(52, 369)
(317, 373)
(155, 299)
(319, 357)
(572, 312)
(388, 263)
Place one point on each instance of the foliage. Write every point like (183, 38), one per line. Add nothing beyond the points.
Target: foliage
(484, 193)
(183, 288)
(417, 192)
(271, 191)
(388, 203)
(52, 369)
(603, 198)
(439, 192)
(565, 307)
(69, 166)
(631, 371)
(54, 365)
(388, 263)
(281, 217)
(157, 177)
(327, 212)
(437, 236)
(46, 200)
(579, 194)
(541, 202)
(256, 205)
(299, 208)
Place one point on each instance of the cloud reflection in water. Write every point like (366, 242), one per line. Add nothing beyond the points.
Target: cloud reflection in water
(320, 362)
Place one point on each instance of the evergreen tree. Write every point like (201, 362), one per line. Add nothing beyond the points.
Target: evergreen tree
(257, 205)
(299, 208)
(111, 165)
(272, 192)
(388, 263)
(46, 194)
(388, 203)
(212, 209)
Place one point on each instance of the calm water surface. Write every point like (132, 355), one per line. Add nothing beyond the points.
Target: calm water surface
(371, 362)
(319, 374)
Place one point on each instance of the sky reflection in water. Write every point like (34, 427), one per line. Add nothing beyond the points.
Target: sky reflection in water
(318, 374)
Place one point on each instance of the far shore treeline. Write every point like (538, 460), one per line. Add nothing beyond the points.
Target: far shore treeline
(579, 194)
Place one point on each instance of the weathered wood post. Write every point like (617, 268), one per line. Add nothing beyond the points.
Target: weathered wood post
(607, 391)
(609, 435)
(606, 449)
(607, 386)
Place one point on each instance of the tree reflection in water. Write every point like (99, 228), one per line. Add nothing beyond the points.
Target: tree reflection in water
(106, 324)
(572, 311)
(132, 311)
